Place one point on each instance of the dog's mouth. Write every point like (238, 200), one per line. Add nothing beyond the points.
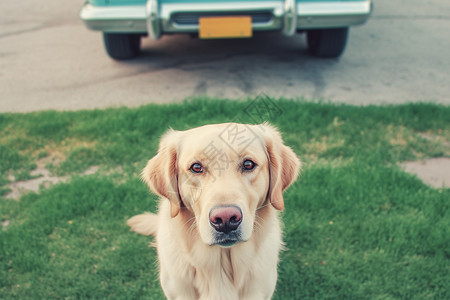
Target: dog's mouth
(227, 240)
(226, 243)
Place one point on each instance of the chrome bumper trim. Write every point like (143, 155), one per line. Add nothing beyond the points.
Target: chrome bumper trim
(126, 19)
(332, 14)
(168, 10)
(152, 13)
(290, 17)
(156, 19)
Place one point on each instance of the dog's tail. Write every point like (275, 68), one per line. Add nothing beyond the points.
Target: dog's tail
(145, 224)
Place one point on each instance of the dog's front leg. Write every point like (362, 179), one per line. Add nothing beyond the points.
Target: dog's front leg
(176, 286)
(177, 289)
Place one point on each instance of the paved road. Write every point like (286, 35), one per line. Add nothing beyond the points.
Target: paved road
(49, 60)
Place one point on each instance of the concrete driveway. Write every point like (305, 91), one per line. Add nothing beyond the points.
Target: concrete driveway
(49, 60)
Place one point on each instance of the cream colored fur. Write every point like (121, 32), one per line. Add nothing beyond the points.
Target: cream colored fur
(191, 265)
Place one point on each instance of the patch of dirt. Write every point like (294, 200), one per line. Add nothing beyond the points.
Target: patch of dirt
(91, 170)
(44, 179)
(433, 138)
(318, 146)
(438, 139)
(397, 135)
(434, 172)
(5, 224)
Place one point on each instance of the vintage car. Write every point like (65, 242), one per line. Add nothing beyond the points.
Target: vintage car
(125, 22)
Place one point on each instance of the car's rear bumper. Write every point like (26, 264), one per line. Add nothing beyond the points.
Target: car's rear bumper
(287, 15)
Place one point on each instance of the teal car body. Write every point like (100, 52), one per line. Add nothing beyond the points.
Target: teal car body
(325, 21)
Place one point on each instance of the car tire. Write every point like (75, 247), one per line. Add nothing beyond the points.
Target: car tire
(327, 43)
(122, 45)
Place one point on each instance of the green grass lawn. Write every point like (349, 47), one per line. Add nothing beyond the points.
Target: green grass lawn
(356, 225)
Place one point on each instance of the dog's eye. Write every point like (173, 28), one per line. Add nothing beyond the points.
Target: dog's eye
(196, 168)
(248, 165)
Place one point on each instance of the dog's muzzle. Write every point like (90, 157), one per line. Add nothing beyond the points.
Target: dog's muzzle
(226, 221)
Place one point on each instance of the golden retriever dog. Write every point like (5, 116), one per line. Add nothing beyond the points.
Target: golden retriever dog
(217, 232)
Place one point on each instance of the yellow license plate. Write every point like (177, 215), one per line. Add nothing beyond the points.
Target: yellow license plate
(225, 27)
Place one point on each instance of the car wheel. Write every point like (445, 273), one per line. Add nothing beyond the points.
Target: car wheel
(122, 45)
(328, 43)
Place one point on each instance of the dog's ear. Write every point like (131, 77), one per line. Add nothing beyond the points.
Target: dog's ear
(160, 173)
(284, 165)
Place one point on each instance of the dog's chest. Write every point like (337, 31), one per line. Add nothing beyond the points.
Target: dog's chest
(226, 278)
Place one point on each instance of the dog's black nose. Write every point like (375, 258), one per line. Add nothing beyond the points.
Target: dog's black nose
(225, 218)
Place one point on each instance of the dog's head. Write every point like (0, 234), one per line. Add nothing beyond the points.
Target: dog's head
(222, 174)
